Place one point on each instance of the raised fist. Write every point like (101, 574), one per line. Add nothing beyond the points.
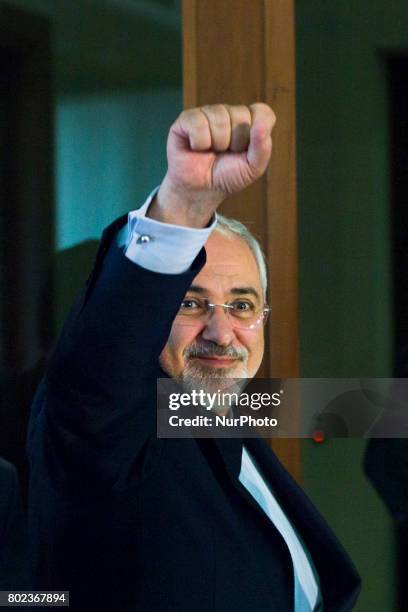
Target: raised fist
(212, 152)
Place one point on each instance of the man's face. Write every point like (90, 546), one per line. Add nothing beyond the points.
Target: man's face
(217, 347)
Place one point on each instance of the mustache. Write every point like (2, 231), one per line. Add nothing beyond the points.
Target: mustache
(209, 349)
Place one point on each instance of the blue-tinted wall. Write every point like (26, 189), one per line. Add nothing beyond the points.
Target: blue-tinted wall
(110, 153)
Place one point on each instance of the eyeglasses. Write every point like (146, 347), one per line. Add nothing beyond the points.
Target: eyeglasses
(243, 313)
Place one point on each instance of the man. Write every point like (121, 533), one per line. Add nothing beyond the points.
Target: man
(127, 521)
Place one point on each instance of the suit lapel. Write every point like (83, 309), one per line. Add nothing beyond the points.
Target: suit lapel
(230, 450)
(339, 580)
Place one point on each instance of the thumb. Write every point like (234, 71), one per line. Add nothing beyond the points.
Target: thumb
(260, 147)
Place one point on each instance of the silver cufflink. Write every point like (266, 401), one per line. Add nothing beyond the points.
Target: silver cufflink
(144, 239)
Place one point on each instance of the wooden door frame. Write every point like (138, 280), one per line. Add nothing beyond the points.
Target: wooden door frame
(238, 52)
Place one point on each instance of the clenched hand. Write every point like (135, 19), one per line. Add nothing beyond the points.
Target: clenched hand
(212, 152)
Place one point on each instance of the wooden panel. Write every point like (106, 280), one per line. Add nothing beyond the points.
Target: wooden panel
(239, 52)
(281, 191)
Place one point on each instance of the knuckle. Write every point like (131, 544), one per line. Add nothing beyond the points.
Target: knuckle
(222, 124)
(215, 109)
(194, 119)
(240, 114)
(185, 115)
(200, 123)
(264, 109)
(239, 108)
(217, 115)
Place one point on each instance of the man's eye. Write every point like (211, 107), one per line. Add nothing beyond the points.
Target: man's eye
(243, 306)
(189, 304)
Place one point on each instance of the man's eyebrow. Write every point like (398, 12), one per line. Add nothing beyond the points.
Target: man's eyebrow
(235, 291)
(196, 289)
(245, 291)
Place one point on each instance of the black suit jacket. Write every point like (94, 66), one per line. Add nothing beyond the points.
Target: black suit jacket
(14, 563)
(127, 521)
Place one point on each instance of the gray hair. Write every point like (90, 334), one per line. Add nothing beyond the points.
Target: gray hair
(227, 226)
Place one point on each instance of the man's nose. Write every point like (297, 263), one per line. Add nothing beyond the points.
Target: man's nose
(219, 328)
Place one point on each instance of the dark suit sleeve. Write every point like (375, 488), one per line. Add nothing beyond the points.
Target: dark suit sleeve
(14, 567)
(96, 409)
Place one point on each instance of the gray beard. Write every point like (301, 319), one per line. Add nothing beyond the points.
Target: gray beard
(197, 376)
(211, 380)
(206, 374)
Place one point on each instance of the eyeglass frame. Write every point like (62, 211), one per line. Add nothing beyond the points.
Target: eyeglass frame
(210, 308)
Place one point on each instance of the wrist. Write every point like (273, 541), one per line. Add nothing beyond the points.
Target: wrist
(180, 206)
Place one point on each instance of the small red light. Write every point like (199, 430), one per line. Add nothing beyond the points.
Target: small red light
(318, 436)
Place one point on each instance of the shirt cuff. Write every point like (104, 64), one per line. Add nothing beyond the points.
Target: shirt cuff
(161, 247)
